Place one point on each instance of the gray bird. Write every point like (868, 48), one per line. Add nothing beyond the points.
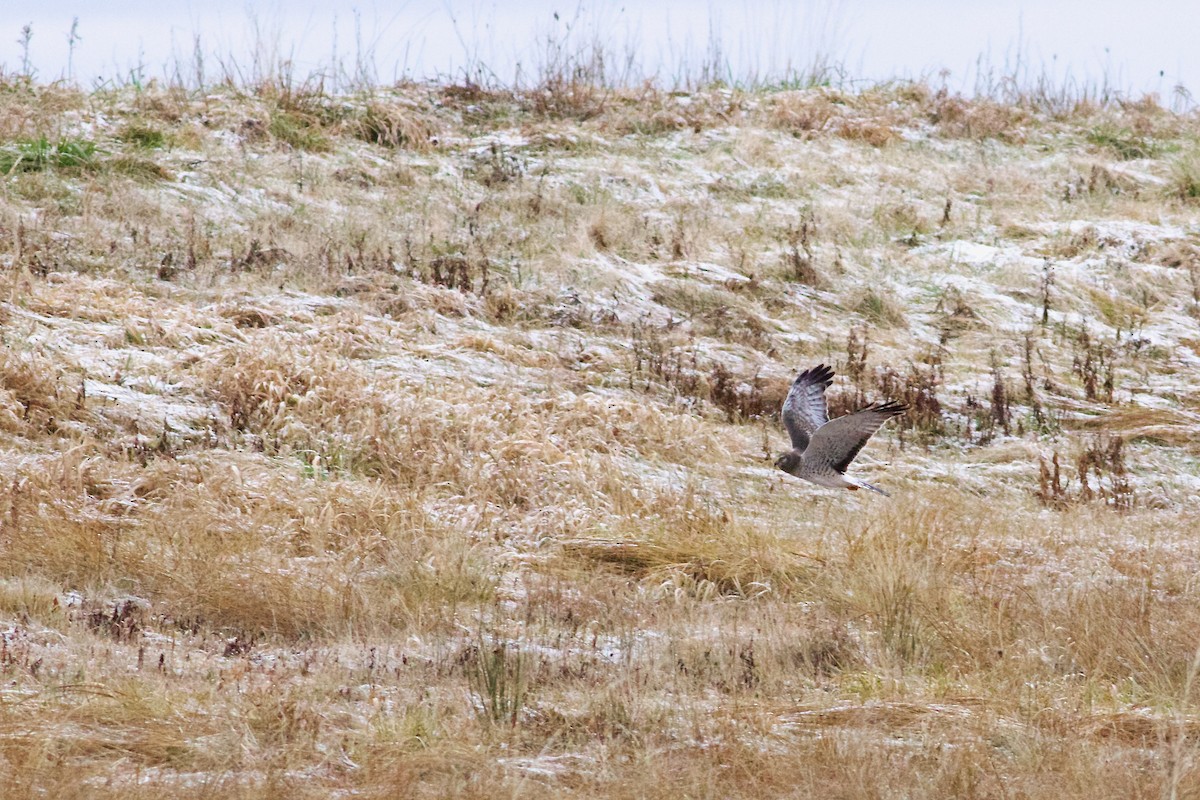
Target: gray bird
(821, 449)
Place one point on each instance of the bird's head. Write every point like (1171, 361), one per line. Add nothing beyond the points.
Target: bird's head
(788, 461)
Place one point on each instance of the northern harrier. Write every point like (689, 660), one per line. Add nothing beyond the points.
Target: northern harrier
(823, 449)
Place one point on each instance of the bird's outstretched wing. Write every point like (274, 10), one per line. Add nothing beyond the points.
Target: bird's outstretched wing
(804, 410)
(836, 443)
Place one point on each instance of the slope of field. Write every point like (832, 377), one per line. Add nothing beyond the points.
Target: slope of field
(419, 444)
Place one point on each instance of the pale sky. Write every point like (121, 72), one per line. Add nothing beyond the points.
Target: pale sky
(1150, 48)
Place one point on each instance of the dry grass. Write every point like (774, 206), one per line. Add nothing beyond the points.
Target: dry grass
(418, 443)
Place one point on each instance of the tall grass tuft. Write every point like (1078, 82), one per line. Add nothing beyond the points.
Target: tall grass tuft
(36, 155)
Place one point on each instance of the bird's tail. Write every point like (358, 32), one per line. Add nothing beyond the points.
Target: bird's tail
(859, 484)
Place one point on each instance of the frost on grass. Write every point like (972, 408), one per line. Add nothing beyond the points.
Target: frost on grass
(421, 443)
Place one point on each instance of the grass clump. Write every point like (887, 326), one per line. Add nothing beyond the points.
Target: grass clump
(804, 114)
(146, 137)
(68, 156)
(298, 130)
(685, 544)
(498, 679)
(1184, 181)
(879, 309)
(957, 117)
(1123, 142)
(40, 154)
(391, 125)
(139, 169)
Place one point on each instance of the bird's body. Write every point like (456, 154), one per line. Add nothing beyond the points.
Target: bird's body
(822, 449)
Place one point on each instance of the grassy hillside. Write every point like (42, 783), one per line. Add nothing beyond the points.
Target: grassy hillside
(418, 444)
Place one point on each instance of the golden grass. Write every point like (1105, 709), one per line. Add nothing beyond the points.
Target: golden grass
(207, 548)
(359, 453)
(1166, 426)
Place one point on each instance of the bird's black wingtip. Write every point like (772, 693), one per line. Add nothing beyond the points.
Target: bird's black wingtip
(889, 407)
(821, 373)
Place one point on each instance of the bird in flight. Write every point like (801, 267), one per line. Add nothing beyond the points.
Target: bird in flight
(822, 449)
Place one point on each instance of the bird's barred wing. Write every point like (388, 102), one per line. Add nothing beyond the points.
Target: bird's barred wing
(836, 443)
(804, 410)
